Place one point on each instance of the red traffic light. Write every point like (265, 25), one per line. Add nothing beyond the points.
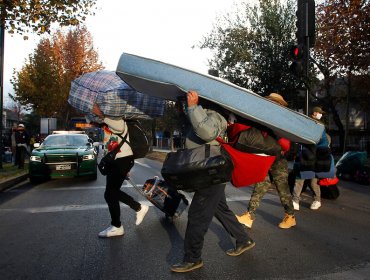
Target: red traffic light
(297, 52)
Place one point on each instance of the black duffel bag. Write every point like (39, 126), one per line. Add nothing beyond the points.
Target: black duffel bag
(308, 157)
(323, 159)
(192, 169)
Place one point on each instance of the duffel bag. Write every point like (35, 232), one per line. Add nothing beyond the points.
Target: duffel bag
(307, 158)
(248, 168)
(192, 169)
(329, 192)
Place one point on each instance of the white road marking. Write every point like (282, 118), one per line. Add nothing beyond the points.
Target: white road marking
(63, 208)
(83, 188)
(143, 164)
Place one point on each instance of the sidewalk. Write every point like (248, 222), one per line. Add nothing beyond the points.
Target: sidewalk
(10, 176)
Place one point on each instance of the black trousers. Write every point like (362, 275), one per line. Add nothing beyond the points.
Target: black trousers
(20, 153)
(113, 194)
(206, 203)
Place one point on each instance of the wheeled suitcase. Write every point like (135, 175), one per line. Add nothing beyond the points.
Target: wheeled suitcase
(160, 194)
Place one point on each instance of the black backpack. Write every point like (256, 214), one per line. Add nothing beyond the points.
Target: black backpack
(139, 142)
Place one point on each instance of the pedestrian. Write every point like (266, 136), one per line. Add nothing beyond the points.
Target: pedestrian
(210, 201)
(278, 173)
(14, 145)
(117, 173)
(323, 144)
(22, 141)
(32, 142)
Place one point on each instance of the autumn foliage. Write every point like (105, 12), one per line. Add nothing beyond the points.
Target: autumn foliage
(37, 16)
(344, 35)
(43, 83)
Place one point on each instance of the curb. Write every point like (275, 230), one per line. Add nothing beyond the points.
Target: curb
(12, 181)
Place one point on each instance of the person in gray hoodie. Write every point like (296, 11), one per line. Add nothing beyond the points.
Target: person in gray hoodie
(210, 201)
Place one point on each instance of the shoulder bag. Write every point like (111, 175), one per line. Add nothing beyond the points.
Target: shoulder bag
(106, 161)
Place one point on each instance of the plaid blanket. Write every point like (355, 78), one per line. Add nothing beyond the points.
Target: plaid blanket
(115, 98)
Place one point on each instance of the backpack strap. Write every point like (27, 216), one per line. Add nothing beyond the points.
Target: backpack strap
(122, 142)
(234, 130)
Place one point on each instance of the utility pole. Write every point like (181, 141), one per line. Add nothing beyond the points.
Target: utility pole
(2, 39)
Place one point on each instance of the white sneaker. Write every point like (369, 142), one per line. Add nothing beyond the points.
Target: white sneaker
(112, 231)
(315, 205)
(296, 205)
(141, 214)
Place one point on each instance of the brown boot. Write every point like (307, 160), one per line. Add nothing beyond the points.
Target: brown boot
(288, 222)
(245, 219)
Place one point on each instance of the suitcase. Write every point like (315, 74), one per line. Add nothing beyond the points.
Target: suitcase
(160, 194)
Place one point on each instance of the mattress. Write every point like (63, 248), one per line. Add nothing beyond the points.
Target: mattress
(168, 81)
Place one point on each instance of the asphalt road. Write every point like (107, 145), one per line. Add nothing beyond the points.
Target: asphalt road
(49, 231)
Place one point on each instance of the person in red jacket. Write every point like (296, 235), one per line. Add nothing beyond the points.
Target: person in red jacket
(279, 175)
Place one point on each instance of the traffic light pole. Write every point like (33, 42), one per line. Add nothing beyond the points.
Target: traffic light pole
(307, 53)
(305, 39)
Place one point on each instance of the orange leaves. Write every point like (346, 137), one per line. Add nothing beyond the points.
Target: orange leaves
(45, 80)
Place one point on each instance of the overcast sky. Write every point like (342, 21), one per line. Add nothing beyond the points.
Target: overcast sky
(163, 30)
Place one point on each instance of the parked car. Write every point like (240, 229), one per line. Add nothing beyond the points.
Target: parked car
(63, 155)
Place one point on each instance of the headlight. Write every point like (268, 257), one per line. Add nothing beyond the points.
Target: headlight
(35, 158)
(88, 157)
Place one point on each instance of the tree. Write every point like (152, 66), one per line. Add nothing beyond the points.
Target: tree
(16, 108)
(22, 16)
(170, 121)
(251, 47)
(43, 83)
(343, 51)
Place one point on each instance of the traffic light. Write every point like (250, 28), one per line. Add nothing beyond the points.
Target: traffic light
(298, 55)
(306, 22)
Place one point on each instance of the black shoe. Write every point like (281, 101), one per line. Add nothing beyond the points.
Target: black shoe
(240, 249)
(186, 266)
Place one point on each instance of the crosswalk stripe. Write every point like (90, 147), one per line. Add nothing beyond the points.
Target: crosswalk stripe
(63, 208)
(78, 188)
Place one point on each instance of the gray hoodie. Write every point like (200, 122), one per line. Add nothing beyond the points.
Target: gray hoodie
(206, 126)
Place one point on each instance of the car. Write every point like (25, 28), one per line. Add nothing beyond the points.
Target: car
(69, 132)
(63, 155)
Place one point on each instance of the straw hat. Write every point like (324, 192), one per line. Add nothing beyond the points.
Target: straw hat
(278, 99)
